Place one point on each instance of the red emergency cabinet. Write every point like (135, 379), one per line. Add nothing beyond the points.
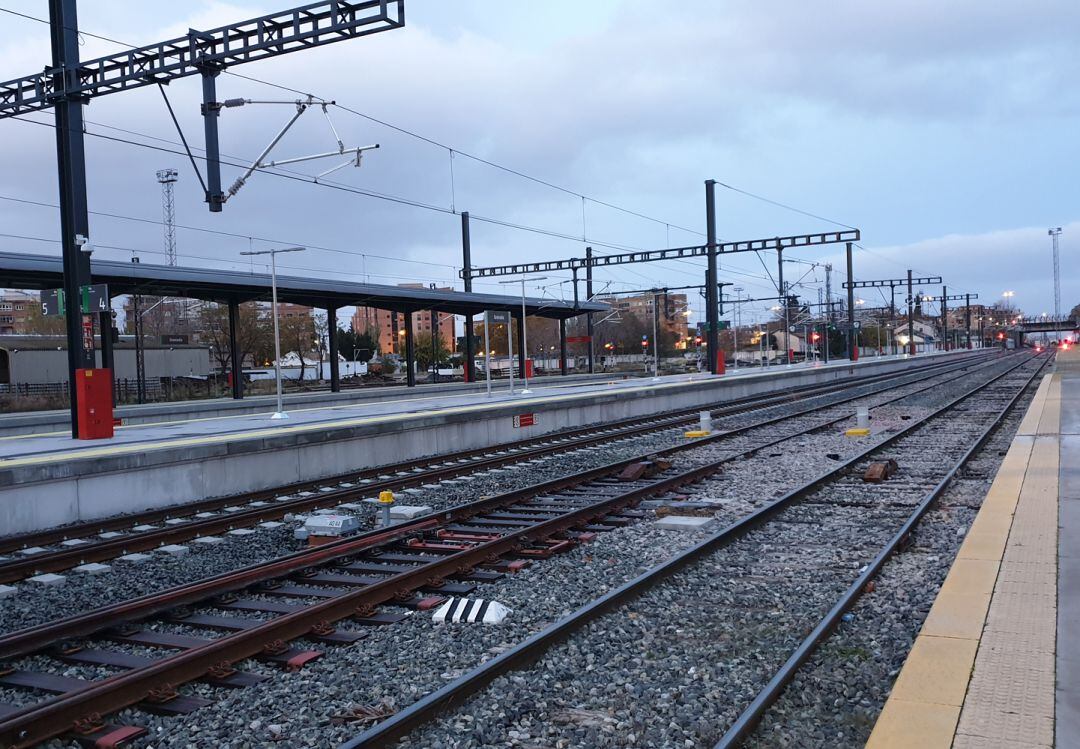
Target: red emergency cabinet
(528, 367)
(721, 367)
(93, 394)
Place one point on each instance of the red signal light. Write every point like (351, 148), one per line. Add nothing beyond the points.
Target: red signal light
(815, 337)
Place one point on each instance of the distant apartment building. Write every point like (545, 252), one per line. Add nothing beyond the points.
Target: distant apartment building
(390, 326)
(15, 311)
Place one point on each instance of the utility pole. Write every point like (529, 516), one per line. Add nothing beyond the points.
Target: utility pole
(784, 301)
(588, 297)
(167, 178)
(712, 320)
(967, 319)
(910, 316)
(140, 356)
(892, 318)
(1054, 234)
(945, 317)
(466, 274)
(853, 349)
(828, 290)
(71, 163)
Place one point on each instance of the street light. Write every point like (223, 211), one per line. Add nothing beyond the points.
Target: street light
(524, 330)
(280, 413)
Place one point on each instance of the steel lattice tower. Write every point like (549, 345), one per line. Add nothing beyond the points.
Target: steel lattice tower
(1054, 234)
(167, 178)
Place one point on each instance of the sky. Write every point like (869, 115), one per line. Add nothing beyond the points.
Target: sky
(943, 131)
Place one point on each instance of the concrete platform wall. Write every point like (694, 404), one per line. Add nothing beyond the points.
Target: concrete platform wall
(59, 491)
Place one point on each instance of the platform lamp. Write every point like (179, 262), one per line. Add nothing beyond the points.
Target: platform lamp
(280, 412)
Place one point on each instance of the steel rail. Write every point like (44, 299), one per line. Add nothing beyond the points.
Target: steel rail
(749, 717)
(51, 717)
(55, 561)
(385, 733)
(33, 639)
(10, 544)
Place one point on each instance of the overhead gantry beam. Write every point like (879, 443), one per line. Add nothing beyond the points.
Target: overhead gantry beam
(307, 26)
(672, 253)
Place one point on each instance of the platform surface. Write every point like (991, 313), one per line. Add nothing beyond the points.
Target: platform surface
(39, 449)
(996, 664)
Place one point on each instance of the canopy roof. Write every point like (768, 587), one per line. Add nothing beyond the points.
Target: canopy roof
(26, 271)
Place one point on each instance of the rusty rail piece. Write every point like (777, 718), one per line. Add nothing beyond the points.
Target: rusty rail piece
(81, 705)
(532, 649)
(433, 470)
(23, 642)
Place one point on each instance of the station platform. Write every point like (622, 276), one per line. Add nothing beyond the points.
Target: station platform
(996, 664)
(59, 420)
(50, 479)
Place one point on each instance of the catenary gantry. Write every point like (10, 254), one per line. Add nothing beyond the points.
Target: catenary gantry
(26, 271)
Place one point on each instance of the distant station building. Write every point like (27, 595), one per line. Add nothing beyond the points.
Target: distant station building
(390, 326)
(28, 360)
(673, 309)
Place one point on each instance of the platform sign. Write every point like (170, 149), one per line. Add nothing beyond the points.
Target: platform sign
(95, 298)
(92, 299)
(524, 420)
(498, 318)
(578, 338)
(52, 303)
(174, 340)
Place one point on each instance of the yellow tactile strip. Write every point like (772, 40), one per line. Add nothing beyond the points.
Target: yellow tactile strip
(981, 672)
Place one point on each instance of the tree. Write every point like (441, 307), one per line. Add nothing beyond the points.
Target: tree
(254, 333)
(358, 346)
(425, 348)
(1074, 313)
(298, 337)
(37, 323)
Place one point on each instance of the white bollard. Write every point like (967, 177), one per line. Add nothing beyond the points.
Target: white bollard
(705, 421)
(862, 417)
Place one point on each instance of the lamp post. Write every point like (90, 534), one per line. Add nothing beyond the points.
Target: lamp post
(280, 413)
(524, 331)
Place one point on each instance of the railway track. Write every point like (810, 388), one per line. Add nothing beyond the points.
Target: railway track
(329, 594)
(59, 549)
(835, 510)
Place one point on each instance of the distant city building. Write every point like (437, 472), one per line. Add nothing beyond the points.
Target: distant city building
(673, 308)
(390, 326)
(16, 307)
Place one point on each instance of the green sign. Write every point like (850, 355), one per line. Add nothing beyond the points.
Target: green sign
(91, 299)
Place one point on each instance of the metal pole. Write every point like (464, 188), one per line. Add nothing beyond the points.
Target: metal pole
(712, 321)
(945, 317)
(410, 351)
(280, 413)
(825, 337)
(71, 167)
(738, 323)
(892, 317)
(562, 347)
(655, 335)
(784, 301)
(210, 112)
(853, 344)
(433, 316)
(107, 358)
(588, 298)
(523, 350)
(466, 268)
(910, 317)
(487, 351)
(335, 371)
(967, 319)
(510, 347)
(234, 350)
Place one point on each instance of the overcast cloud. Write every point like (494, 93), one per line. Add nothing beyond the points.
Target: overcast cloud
(944, 131)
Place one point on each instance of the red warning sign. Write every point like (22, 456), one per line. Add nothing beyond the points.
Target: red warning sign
(524, 420)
